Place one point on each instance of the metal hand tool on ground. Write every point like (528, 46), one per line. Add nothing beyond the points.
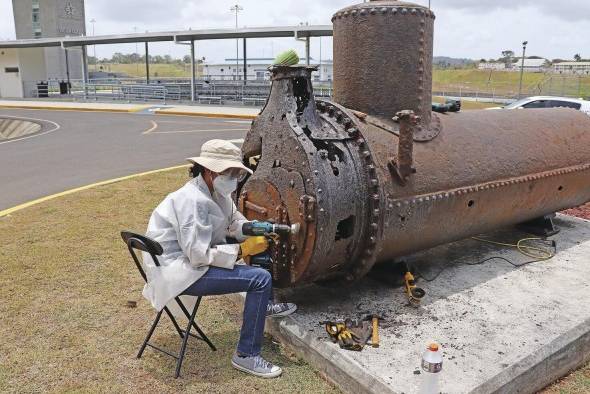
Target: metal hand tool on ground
(374, 319)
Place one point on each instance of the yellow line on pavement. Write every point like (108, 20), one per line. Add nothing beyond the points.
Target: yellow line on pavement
(79, 189)
(154, 126)
(194, 131)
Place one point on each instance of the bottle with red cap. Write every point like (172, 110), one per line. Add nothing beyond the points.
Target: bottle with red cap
(431, 369)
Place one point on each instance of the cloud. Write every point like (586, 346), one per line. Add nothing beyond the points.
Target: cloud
(464, 28)
(213, 12)
(567, 10)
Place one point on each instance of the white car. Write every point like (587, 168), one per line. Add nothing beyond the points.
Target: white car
(550, 102)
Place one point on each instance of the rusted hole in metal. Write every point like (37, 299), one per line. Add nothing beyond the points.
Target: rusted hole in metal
(560, 188)
(334, 153)
(470, 203)
(301, 93)
(345, 228)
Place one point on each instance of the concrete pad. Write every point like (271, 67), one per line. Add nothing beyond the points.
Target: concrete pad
(501, 328)
(71, 106)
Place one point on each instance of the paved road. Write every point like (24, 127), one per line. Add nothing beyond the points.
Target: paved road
(90, 147)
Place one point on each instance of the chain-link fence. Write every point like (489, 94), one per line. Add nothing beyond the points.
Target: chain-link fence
(540, 84)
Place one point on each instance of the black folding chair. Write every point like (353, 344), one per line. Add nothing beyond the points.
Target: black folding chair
(145, 244)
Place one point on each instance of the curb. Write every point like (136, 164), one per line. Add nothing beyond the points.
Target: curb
(566, 353)
(205, 114)
(80, 109)
(131, 110)
(82, 188)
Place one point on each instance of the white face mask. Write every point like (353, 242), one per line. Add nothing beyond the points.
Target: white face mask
(225, 184)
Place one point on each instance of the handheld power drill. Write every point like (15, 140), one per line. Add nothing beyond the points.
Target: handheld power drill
(271, 231)
(256, 228)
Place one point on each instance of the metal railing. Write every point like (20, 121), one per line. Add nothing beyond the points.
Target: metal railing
(164, 90)
(255, 91)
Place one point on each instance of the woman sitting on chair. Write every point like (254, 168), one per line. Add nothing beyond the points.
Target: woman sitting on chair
(192, 225)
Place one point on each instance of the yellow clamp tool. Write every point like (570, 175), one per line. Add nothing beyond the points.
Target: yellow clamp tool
(414, 293)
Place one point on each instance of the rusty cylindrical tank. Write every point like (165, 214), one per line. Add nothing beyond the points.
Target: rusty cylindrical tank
(384, 47)
(370, 182)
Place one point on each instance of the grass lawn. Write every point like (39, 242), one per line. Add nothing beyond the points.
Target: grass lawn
(507, 83)
(576, 383)
(156, 69)
(65, 280)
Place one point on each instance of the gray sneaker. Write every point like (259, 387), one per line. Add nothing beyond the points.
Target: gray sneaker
(256, 366)
(280, 309)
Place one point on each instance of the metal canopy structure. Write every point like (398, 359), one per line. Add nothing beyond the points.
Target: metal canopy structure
(303, 33)
(257, 32)
(32, 43)
(186, 35)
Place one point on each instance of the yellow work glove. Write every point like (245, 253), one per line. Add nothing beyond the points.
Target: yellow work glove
(253, 246)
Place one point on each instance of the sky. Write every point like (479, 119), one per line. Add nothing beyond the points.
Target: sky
(472, 29)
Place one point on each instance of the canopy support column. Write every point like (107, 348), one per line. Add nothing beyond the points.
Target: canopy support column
(193, 76)
(245, 62)
(85, 71)
(147, 63)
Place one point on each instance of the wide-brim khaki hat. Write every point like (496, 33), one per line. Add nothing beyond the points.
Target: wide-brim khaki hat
(220, 155)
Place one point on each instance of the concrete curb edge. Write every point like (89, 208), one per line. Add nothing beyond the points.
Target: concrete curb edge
(564, 354)
(63, 108)
(130, 110)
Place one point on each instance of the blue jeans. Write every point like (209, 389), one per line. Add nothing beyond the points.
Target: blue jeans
(257, 282)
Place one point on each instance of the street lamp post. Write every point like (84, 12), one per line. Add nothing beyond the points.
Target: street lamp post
(93, 21)
(524, 44)
(137, 53)
(237, 8)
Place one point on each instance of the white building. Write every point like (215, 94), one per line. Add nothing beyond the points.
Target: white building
(497, 66)
(257, 69)
(22, 69)
(530, 65)
(18, 65)
(580, 68)
(48, 19)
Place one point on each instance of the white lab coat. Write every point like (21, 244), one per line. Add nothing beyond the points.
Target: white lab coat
(191, 225)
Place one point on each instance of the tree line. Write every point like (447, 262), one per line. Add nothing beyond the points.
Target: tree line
(509, 57)
(132, 58)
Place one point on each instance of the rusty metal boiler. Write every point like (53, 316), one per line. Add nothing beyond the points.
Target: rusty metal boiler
(375, 175)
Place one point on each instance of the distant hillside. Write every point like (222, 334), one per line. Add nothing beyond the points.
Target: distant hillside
(450, 61)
